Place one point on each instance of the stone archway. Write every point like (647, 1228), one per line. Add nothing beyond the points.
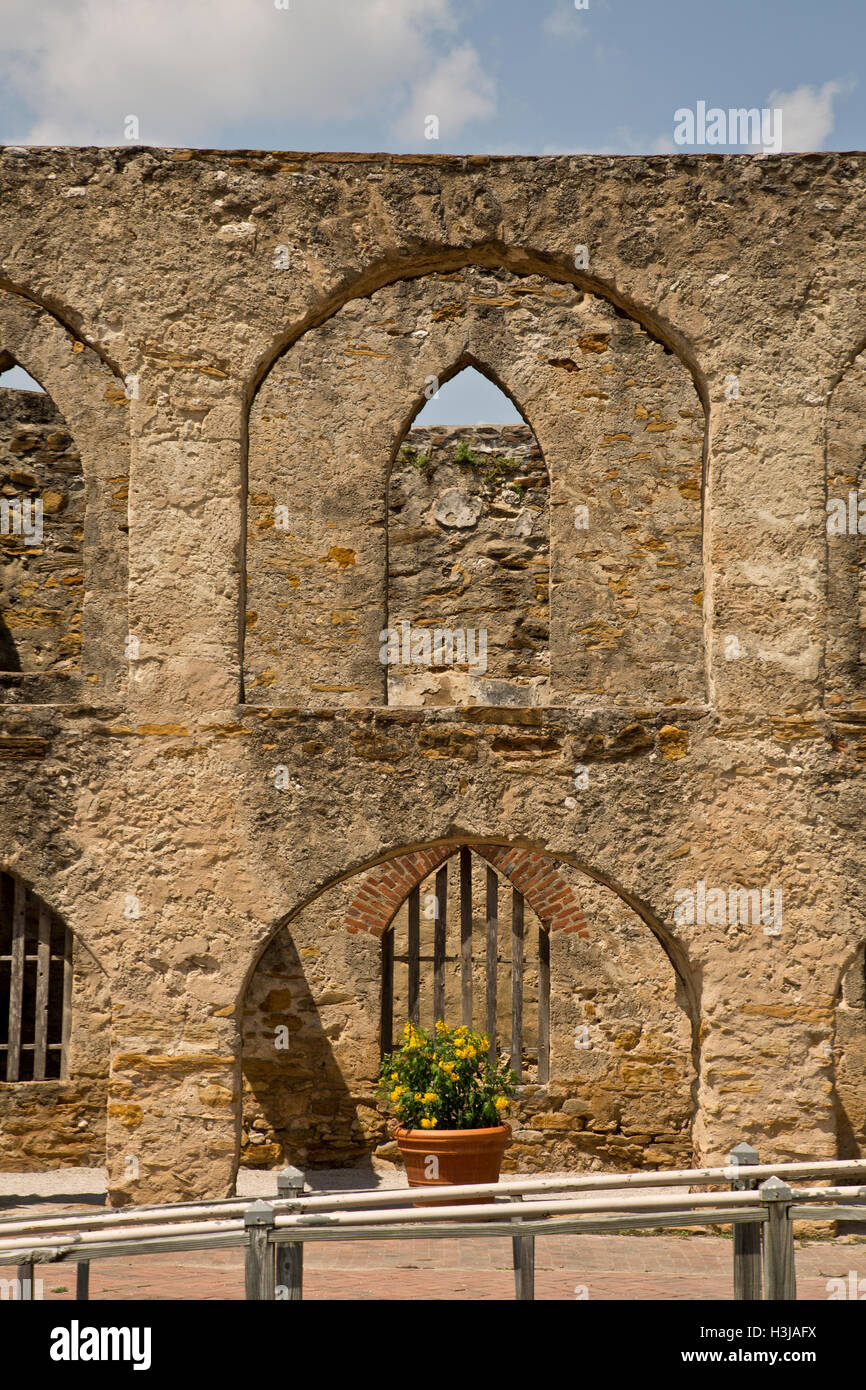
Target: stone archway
(620, 426)
(621, 1077)
(93, 407)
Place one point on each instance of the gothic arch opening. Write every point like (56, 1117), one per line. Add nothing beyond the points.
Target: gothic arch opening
(64, 600)
(42, 520)
(468, 604)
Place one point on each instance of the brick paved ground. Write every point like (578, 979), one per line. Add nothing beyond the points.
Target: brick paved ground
(617, 1267)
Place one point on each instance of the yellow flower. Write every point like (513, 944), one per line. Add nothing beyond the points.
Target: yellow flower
(430, 1097)
(428, 1123)
(501, 1103)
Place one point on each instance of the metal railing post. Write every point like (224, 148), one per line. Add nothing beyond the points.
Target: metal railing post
(290, 1254)
(26, 1273)
(259, 1264)
(780, 1277)
(82, 1281)
(747, 1235)
(523, 1257)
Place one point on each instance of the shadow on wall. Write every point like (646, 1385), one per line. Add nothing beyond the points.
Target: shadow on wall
(9, 660)
(297, 1107)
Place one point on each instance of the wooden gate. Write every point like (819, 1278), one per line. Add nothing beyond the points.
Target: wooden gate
(514, 1045)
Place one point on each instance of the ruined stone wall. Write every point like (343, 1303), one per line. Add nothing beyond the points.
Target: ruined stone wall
(227, 334)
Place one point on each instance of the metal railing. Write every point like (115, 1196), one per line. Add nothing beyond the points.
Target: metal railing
(758, 1204)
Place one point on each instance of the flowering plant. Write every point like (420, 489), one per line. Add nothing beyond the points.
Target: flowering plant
(445, 1080)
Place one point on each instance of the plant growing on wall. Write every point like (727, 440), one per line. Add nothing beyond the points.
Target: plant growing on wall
(445, 1080)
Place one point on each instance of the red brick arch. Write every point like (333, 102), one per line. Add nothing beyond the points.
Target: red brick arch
(385, 888)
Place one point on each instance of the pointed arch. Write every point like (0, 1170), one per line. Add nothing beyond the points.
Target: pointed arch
(346, 392)
(94, 406)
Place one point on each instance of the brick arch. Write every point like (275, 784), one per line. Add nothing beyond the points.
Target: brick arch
(385, 888)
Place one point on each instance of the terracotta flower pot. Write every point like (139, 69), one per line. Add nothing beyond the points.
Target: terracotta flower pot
(439, 1157)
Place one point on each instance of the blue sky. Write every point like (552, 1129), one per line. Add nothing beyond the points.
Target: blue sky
(500, 76)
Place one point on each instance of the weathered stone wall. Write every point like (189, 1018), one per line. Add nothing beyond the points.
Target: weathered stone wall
(185, 799)
(42, 577)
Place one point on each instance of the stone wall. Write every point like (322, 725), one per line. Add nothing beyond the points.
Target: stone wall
(469, 555)
(42, 576)
(196, 798)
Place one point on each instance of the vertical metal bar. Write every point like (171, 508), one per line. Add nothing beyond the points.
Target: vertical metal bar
(415, 956)
(439, 943)
(16, 983)
(66, 1024)
(43, 975)
(492, 953)
(387, 1013)
(82, 1281)
(747, 1234)
(543, 1005)
(290, 1254)
(26, 1281)
(523, 1257)
(466, 935)
(517, 983)
(780, 1278)
(260, 1264)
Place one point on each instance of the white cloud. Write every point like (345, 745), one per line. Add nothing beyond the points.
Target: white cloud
(564, 22)
(188, 69)
(807, 114)
(457, 91)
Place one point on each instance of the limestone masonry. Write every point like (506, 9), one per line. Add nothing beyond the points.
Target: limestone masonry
(275, 655)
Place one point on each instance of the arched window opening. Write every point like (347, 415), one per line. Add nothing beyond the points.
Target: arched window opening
(35, 986)
(465, 946)
(469, 554)
(41, 532)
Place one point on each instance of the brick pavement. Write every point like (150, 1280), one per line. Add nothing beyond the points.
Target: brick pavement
(620, 1267)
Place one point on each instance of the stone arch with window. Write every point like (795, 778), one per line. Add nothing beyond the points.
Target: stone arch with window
(468, 604)
(620, 426)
